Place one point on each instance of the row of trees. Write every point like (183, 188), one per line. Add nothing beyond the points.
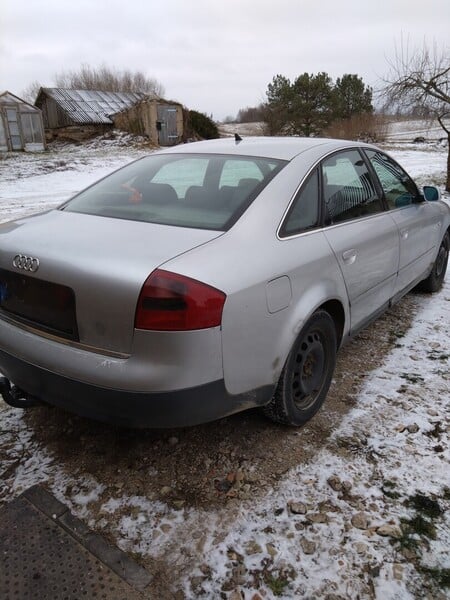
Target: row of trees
(250, 114)
(307, 105)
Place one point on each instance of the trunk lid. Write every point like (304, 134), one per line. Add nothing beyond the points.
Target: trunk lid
(105, 262)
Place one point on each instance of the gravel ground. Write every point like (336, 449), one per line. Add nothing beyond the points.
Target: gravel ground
(194, 462)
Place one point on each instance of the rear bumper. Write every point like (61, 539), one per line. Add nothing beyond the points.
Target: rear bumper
(177, 408)
(152, 365)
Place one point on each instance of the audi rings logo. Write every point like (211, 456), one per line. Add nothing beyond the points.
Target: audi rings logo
(26, 263)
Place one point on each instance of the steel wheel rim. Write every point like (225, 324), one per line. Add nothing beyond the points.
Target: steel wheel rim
(441, 260)
(309, 370)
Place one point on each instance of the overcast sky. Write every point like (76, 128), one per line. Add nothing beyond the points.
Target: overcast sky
(213, 56)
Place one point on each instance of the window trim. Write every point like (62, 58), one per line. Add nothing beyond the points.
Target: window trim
(321, 223)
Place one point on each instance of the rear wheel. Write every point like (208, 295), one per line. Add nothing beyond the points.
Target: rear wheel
(306, 376)
(435, 279)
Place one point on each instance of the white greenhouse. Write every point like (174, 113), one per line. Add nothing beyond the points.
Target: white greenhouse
(21, 126)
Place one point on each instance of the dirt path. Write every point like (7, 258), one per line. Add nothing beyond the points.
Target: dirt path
(198, 463)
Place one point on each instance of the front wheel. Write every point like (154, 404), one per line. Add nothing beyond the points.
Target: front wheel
(306, 376)
(435, 279)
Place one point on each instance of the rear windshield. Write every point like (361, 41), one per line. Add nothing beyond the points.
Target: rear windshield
(202, 191)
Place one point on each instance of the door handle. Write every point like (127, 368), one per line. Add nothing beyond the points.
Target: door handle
(404, 233)
(349, 256)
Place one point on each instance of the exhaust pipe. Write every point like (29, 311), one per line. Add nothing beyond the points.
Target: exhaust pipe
(16, 397)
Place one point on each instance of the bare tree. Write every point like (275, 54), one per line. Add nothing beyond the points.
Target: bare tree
(31, 91)
(107, 79)
(250, 114)
(421, 78)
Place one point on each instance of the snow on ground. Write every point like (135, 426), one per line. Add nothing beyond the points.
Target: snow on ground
(409, 129)
(400, 131)
(425, 163)
(30, 183)
(385, 450)
(244, 129)
(368, 517)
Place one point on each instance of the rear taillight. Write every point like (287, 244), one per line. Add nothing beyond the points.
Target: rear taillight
(172, 302)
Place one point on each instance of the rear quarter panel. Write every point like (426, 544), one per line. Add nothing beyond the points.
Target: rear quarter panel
(256, 342)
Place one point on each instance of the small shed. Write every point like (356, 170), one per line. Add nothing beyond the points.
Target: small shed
(90, 109)
(21, 126)
(160, 120)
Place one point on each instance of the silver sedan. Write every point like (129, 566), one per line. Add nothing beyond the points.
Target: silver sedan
(211, 278)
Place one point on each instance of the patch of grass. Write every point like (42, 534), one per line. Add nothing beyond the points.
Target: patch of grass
(276, 584)
(276, 578)
(390, 494)
(412, 378)
(395, 336)
(389, 484)
(388, 489)
(436, 431)
(440, 576)
(425, 505)
(420, 526)
(441, 372)
(437, 356)
(406, 542)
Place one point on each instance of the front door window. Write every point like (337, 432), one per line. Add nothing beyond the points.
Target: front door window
(399, 189)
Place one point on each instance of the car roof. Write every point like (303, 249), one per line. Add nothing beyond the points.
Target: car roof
(284, 148)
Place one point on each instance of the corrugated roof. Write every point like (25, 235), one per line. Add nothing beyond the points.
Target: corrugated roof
(92, 106)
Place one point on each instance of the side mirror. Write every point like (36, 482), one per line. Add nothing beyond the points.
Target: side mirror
(431, 193)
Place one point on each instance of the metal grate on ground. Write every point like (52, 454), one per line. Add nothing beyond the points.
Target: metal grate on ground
(48, 554)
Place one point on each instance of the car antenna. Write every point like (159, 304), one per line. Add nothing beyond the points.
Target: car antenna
(237, 138)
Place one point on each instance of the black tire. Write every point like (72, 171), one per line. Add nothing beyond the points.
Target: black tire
(435, 279)
(307, 374)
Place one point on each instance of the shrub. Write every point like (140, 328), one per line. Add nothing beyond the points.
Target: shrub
(200, 125)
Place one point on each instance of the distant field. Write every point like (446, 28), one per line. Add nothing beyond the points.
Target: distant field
(408, 130)
(404, 130)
